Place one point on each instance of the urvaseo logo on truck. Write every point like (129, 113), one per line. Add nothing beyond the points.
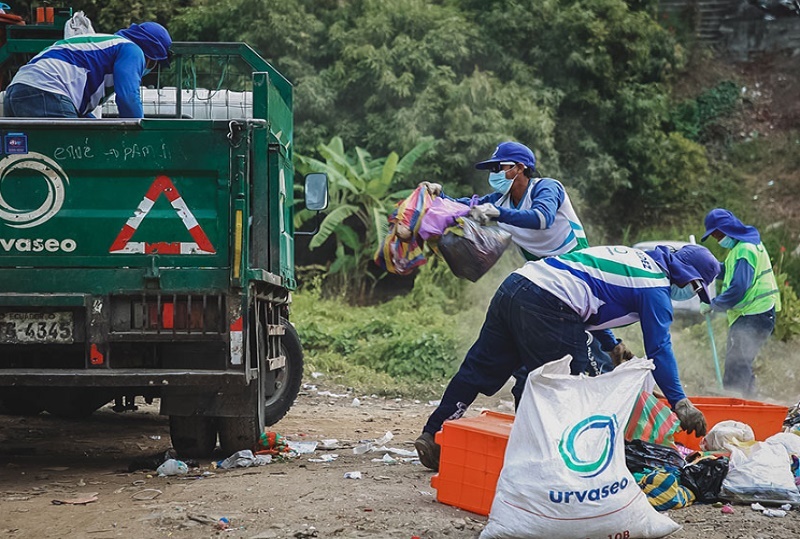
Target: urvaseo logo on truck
(56, 181)
(588, 454)
(51, 173)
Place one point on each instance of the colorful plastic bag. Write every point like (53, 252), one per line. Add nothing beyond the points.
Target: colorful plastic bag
(441, 214)
(652, 421)
(401, 249)
(664, 492)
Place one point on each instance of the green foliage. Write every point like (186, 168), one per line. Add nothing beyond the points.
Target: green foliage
(360, 201)
(401, 340)
(692, 118)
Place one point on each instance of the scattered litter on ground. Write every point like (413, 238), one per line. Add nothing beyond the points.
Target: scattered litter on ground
(331, 443)
(172, 467)
(727, 509)
(223, 523)
(330, 457)
(356, 402)
(302, 448)
(244, 459)
(352, 475)
(80, 499)
(386, 459)
(367, 445)
(779, 513)
(146, 494)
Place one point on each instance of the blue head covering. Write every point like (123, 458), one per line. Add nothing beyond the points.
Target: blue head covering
(152, 38)
(513, 152)
(727, 223)
(689, 263)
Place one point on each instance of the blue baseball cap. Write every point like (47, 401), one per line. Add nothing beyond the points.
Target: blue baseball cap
(512, 152)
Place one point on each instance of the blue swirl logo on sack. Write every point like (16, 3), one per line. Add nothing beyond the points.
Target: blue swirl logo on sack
(587, 448)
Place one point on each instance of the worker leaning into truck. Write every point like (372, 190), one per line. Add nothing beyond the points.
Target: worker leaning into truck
(74, 76)
(749, 294)
(538, 214)
(541, 311)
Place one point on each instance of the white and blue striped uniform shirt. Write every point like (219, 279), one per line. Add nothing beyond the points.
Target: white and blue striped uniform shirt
(88, 69)
(613, 286)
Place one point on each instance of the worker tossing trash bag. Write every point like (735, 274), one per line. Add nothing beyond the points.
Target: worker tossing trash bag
(564, 475)
(470, 249)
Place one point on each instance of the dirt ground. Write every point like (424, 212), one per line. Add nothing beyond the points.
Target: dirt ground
(44, 459)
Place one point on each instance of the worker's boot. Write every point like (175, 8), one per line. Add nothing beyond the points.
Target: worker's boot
(428, 451)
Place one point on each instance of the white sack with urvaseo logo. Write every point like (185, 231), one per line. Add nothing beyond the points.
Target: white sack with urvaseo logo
(564, 474)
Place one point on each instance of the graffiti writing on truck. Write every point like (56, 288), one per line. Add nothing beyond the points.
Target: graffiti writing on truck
(124, 152)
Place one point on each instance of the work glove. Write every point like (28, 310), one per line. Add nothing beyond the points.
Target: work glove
(705, 309)
(484, 212)
(620, 353)
(691, 418)
(434, 189)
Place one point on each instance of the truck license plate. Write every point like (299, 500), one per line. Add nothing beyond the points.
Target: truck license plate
(36, 328)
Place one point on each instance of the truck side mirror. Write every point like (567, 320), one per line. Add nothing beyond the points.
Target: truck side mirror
(316, 191)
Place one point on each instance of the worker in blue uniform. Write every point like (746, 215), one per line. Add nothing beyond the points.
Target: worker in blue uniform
(74, 76)
(541, 311)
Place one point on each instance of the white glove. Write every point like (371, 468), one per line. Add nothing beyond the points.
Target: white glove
(434, 189)
(484, 213)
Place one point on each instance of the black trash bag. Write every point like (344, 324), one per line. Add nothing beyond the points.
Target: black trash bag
(641, 456)
(704, 478)
(471, 249)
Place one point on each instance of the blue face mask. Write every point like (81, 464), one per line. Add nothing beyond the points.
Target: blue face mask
(499, 182)
(727, 242)
(681, 294)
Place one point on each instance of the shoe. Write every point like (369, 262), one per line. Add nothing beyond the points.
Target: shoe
(428, 451)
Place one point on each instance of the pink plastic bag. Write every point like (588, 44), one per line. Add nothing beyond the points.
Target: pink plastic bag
(441, 214)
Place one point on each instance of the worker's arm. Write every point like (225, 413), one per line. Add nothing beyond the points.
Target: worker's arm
(547, 196)
(128, 70)
(606, 339)
(655, 316)
(743, 274)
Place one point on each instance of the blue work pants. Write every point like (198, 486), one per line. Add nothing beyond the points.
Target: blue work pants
(746, 336)
(525, 326)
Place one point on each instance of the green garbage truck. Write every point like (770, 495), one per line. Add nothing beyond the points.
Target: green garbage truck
(154, 258)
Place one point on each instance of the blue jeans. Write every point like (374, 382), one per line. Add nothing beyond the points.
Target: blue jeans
(746, 336)
(23, 101)
(524, 326)
(603, 363)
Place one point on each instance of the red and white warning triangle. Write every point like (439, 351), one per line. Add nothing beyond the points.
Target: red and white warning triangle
(162, 184)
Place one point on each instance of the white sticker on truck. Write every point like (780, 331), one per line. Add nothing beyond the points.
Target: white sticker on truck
(51, 172)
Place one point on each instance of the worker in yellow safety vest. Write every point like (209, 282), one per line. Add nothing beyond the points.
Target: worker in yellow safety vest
(749, 295)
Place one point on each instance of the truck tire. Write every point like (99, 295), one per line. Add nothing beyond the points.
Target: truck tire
(193, 436)
(236, 433)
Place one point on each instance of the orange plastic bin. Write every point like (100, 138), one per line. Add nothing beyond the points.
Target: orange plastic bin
(765, 419)
(473, 450)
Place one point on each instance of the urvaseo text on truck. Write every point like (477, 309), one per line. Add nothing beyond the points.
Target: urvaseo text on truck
(154, 258)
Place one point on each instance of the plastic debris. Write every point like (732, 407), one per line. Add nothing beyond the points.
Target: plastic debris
(146, 494)
(330, 443)
(387, 459)
(302, 448)
(779, 513)
(356, 402)
(325, 458)
(352, 475)
(786, 507)
(727, 509)
(172, 467)
(223, 523)
(244, 459)
(757, 507)
(365, 446)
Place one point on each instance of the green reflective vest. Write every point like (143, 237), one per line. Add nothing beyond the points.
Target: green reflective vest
(762, 294)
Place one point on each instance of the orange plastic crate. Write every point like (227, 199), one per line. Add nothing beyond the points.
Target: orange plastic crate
(473, 450)
(765, 419)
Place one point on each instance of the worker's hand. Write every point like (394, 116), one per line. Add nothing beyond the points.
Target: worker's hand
(434, 189)
(691, 418)
(484, 212)
(705, 309)
(620, 353)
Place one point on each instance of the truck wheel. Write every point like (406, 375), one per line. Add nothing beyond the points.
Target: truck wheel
(236, 433)
(193, 436)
